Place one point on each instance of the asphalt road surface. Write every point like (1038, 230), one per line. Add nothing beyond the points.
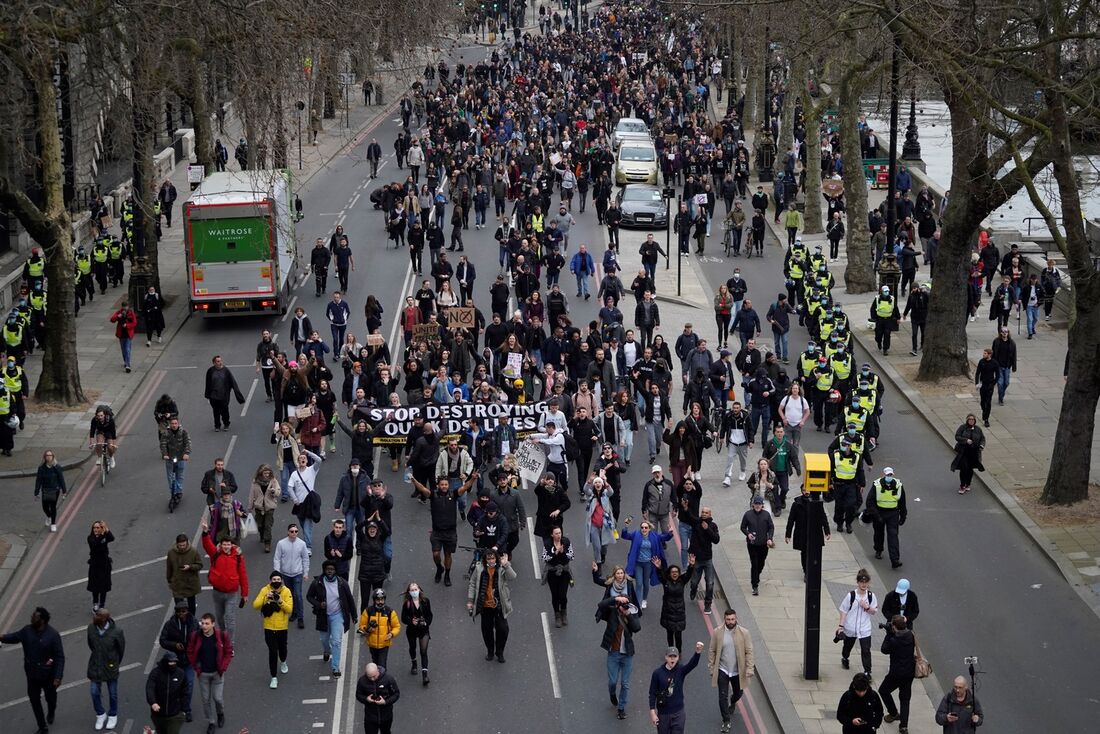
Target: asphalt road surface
(555, 677)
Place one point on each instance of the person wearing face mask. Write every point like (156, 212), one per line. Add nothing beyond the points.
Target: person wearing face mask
(333, 605)
(165, 689)
(969, 442)
(339, 547)
(847, 481)
(619, 611)
(275, 603)
(886, 506)
(416, 615)
(731, 665)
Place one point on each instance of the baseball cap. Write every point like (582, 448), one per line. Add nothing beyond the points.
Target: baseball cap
(354, 462)
(655, 468)
(757, 500)
(888, 471)
(902, 587)
(672, 651)
(725, 353)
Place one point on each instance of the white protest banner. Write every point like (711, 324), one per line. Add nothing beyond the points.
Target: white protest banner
(531, 462)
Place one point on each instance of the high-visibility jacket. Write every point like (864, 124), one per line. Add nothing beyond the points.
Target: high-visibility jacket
(844, 467)
(867, 401)
(83, 264)
(115, 250)
(824, 379)
(100, 252)
(36, 266)
(887, 496)
(13, 383)
(807, 362)
(537, 221)
(884, 307)
(795, 269)
(38, 301)
(13, 335)
(842, 366)
(858, 417)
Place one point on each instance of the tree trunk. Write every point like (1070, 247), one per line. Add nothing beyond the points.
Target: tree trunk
(945, 342)
(1071, 460)
(735, 65)
(51, 228)
(859, 273)
(204, 134)
(144, 184)
(796, 80)
(752, 94)
(812, 214)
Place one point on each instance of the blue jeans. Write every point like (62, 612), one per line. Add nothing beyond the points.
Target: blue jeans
(653, 437)
(337, 336)
(284, 479)
(463, 502)
(126, 344)
(333, 638)
(307, 532)
(351, 520)
(641, 575)
(650, 270)
(685, 541)
(188, 686)
(294, 583)
(758, 416)
(582, 284)
(174, 471)
(781, 341)
(1032, 319)
(628, 444)
(387, 550)
(619, 667)
(1004, 375)
(112, 696)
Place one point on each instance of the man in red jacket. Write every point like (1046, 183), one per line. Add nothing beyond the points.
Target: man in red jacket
(229, 577)
(210, 651)
(125, 321)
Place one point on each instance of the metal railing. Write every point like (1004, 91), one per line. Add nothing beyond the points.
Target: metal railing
(1042, 223)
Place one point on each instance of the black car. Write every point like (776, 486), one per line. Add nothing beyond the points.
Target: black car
(642, 206)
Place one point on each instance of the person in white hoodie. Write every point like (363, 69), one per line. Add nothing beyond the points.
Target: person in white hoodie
(301, 482)
(415, 159)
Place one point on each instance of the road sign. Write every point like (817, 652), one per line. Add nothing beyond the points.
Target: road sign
(196, 173)
(347, 78)
(460, 317)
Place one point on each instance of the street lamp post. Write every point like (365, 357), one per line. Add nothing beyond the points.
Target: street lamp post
(911, 150)
(667, 193)
(891, 215)
(299, 106)
(765, 145)
(679, 254)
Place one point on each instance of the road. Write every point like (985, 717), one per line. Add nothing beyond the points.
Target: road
(985, 589)
(553, 676)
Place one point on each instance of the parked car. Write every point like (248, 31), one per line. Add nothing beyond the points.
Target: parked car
(642, 206)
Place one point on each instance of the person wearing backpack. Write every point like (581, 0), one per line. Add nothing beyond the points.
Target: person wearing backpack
(856, 611)
(900, 645)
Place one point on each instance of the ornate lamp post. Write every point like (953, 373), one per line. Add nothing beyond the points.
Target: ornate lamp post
(911, 150)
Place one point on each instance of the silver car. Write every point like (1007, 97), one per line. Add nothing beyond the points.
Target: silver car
(629, 128)
(642, 206)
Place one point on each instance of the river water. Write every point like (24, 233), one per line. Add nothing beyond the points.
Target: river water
(934, 127)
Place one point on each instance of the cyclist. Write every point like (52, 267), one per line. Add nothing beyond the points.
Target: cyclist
(164, 411)
(101, 434)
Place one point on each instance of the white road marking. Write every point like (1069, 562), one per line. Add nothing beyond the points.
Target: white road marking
(318, 724)
(186, 367)
(316, 657)
(289, 308)
(64, 687)
(310, 701)
(324, 677)
(248, 400)
(550, 656)
(328, 214)
(67, 584)
(229, 450)
(354, 199)
(535, 555)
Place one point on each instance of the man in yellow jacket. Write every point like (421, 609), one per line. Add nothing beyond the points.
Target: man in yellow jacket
(275, 603)
(380, 624)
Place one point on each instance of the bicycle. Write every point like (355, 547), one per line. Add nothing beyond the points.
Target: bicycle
(473, 562)
(106, 460)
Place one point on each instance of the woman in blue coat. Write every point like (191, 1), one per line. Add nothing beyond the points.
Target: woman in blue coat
(646, 543)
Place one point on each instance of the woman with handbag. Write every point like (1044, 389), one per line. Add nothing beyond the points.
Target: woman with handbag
(900, 645)
(49, 484)
(557, 552)
(762, 482)
(969, 442)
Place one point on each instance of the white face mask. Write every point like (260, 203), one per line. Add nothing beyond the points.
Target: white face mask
(355, 471)
(415, 594)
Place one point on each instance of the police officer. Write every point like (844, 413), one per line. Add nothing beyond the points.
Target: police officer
(794, 268)
(841, 362)
(822, 378)
(856, 439)
(115, 252)
(885, 314)
(84, 288)
(886, 506)
(100, 254)
(807, 360)
(37, 301)
(34, 270)
(18, 387)
(7, 436)
(13, 338)
(846, 475)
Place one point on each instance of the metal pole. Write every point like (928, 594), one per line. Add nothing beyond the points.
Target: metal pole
(767, 84)
(668, 234)
(811, 649)
(347, 97)
(299, 140)
(679, 254)
(891, 216)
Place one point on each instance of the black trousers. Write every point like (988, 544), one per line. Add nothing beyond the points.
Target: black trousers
(50, 508)
(35, 689)
(918, 329)
(276, 649)
(729, 693)
(220, 408)
(376, 727)
(559, 589)
(342, 274)
(379, 656)
(418, 639)
(882, 334)
(904, 687)
(985, 396)
(584, 462)
(847, 502)
(887, 525)
(494, 630)
(758, 555)
(321, 279)
(864, 650)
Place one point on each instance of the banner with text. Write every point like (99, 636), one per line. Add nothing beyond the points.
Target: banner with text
(392, 425)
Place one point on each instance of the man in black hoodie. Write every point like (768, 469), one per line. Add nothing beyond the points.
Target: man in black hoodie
(378, 692)
(899, 645)
(165, 691)
(173, 637)
(43, 663)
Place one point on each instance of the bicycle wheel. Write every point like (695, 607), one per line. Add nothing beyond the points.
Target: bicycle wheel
(104, 469)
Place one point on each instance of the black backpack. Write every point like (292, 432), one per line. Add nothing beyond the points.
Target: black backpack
(572, 451)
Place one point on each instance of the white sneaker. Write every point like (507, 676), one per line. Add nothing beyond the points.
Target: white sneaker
(100, 720)
(148, 343)
(53, 528)
(644, 605)
(99, 460)
(159, 340)
(112, 721)
(284, 668)
(112, 462)
(741, 477)
(971, 318)
(48, 523)
(274, 683)
(726, 481)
